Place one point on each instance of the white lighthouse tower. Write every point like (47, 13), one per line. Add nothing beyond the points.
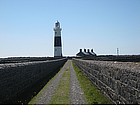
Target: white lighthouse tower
(57, 40)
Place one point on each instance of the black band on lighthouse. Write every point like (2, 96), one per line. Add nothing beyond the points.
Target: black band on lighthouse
(57, 41)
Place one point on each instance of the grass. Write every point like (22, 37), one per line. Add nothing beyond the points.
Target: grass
(92, 94)
(61, 96)
(41, 92)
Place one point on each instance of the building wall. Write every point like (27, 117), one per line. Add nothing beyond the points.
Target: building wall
(15, 78)
(120, 81)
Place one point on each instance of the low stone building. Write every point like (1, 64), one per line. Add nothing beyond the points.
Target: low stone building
(86, 53)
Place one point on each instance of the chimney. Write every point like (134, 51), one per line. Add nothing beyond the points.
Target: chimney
(92, 50)
(84, 50)
(80, 50)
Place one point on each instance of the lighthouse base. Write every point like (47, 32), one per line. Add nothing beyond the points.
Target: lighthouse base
(57, 51)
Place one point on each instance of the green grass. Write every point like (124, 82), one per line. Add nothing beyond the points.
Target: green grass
(61, 96)
(92, 94)
(41, 92)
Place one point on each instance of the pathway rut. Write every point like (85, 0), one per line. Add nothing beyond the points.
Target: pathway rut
(76, 94)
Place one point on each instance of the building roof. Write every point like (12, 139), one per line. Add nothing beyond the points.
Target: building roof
(85, 53)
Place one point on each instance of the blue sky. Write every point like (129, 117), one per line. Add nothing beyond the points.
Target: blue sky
(26, 26)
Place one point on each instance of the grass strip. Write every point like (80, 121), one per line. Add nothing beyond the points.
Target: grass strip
(92, 94)
(41, 92)
(61, 96)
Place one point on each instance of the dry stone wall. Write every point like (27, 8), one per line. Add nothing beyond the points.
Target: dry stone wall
(120, 81)
(17, 77)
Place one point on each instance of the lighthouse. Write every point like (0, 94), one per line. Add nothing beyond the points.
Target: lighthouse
(57, 40)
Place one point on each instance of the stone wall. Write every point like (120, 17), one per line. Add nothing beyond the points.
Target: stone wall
(17, 77)
(119, 58)
(24, 59)
(120, 81)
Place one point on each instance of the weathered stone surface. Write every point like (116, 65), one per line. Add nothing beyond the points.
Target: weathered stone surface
(120, 81)
(15, 78)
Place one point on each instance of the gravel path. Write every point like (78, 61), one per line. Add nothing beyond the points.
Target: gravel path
(76, 93)
(45, 95)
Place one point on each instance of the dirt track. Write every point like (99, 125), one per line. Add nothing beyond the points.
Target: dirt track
(76, 94)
